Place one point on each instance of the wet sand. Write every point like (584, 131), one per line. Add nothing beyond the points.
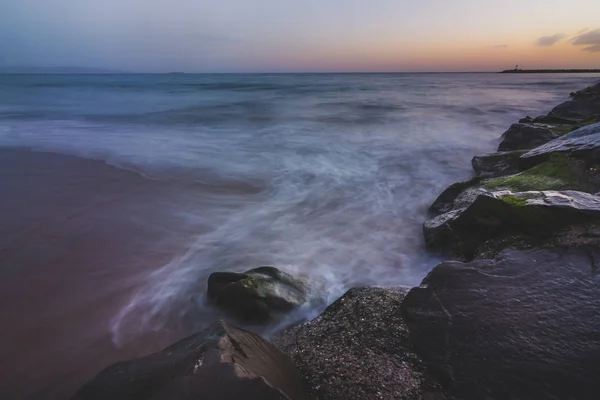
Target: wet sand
(77, 238)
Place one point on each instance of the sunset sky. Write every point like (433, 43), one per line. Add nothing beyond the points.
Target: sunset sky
(308, 35)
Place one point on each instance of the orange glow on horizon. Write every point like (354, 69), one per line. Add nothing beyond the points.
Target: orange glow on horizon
(402, 55)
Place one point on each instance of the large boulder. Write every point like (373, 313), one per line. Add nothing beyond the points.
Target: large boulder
(359, 348)
(534, 215)
(525, 137)
(523, 326)
(583, 143)
(260, 293)
(223, 362)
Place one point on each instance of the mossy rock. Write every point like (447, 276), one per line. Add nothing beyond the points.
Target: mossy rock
(560, 172)
(535, 215)
(259, 294)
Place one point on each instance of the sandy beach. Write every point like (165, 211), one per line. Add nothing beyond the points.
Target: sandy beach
(77, 238)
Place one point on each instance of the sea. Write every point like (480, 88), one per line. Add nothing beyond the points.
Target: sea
(121, 193)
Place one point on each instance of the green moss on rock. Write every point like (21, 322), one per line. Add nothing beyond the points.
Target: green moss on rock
(518, 201)
(558, 173)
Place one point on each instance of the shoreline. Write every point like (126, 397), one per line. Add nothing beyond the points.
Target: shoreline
(516, 318)
(94, 226)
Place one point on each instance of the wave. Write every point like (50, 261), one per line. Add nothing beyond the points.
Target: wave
(167, 86)
(547, 84)
(251, 112)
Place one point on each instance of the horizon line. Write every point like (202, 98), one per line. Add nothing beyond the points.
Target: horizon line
(10, 70)
(243, 72)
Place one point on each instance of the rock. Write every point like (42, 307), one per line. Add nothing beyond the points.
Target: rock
(560, 172)
(583, 105)
(224, 362)
(454, 196)
(493, 167)
(258, 294)
(359, 348)
(497, 164)
(523, 326)
(536, 215)
(524, 137)
(526, 120)
(582, 143)
(550, 119)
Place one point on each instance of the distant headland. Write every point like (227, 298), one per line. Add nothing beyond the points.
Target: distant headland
(28, 70)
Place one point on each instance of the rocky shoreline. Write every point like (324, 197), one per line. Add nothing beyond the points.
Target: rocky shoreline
(514, 315)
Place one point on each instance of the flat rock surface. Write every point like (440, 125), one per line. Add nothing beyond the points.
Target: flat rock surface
(566, 199)
(523, 326)
(359, 348)
(582, 140)
(224, 362)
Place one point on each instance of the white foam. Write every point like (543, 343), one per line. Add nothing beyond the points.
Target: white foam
(347, 170)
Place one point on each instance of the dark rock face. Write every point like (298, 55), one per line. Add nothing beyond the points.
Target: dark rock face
(497, 164)
(525, 137)
(581, 143)
(258, 294)
(583, 104)
(222, 363)
(576, 109)
(523, 326)
(537, 215)
(359, 349)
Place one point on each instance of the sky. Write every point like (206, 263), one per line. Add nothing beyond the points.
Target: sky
(300, 36)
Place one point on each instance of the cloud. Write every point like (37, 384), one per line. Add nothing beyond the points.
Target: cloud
(545, 41)
(583, 30)
(499, 46)
(591, 39)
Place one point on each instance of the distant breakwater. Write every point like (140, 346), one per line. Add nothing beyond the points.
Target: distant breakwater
(551, 71)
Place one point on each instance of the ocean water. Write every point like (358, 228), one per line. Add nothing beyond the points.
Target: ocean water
(324, 175)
